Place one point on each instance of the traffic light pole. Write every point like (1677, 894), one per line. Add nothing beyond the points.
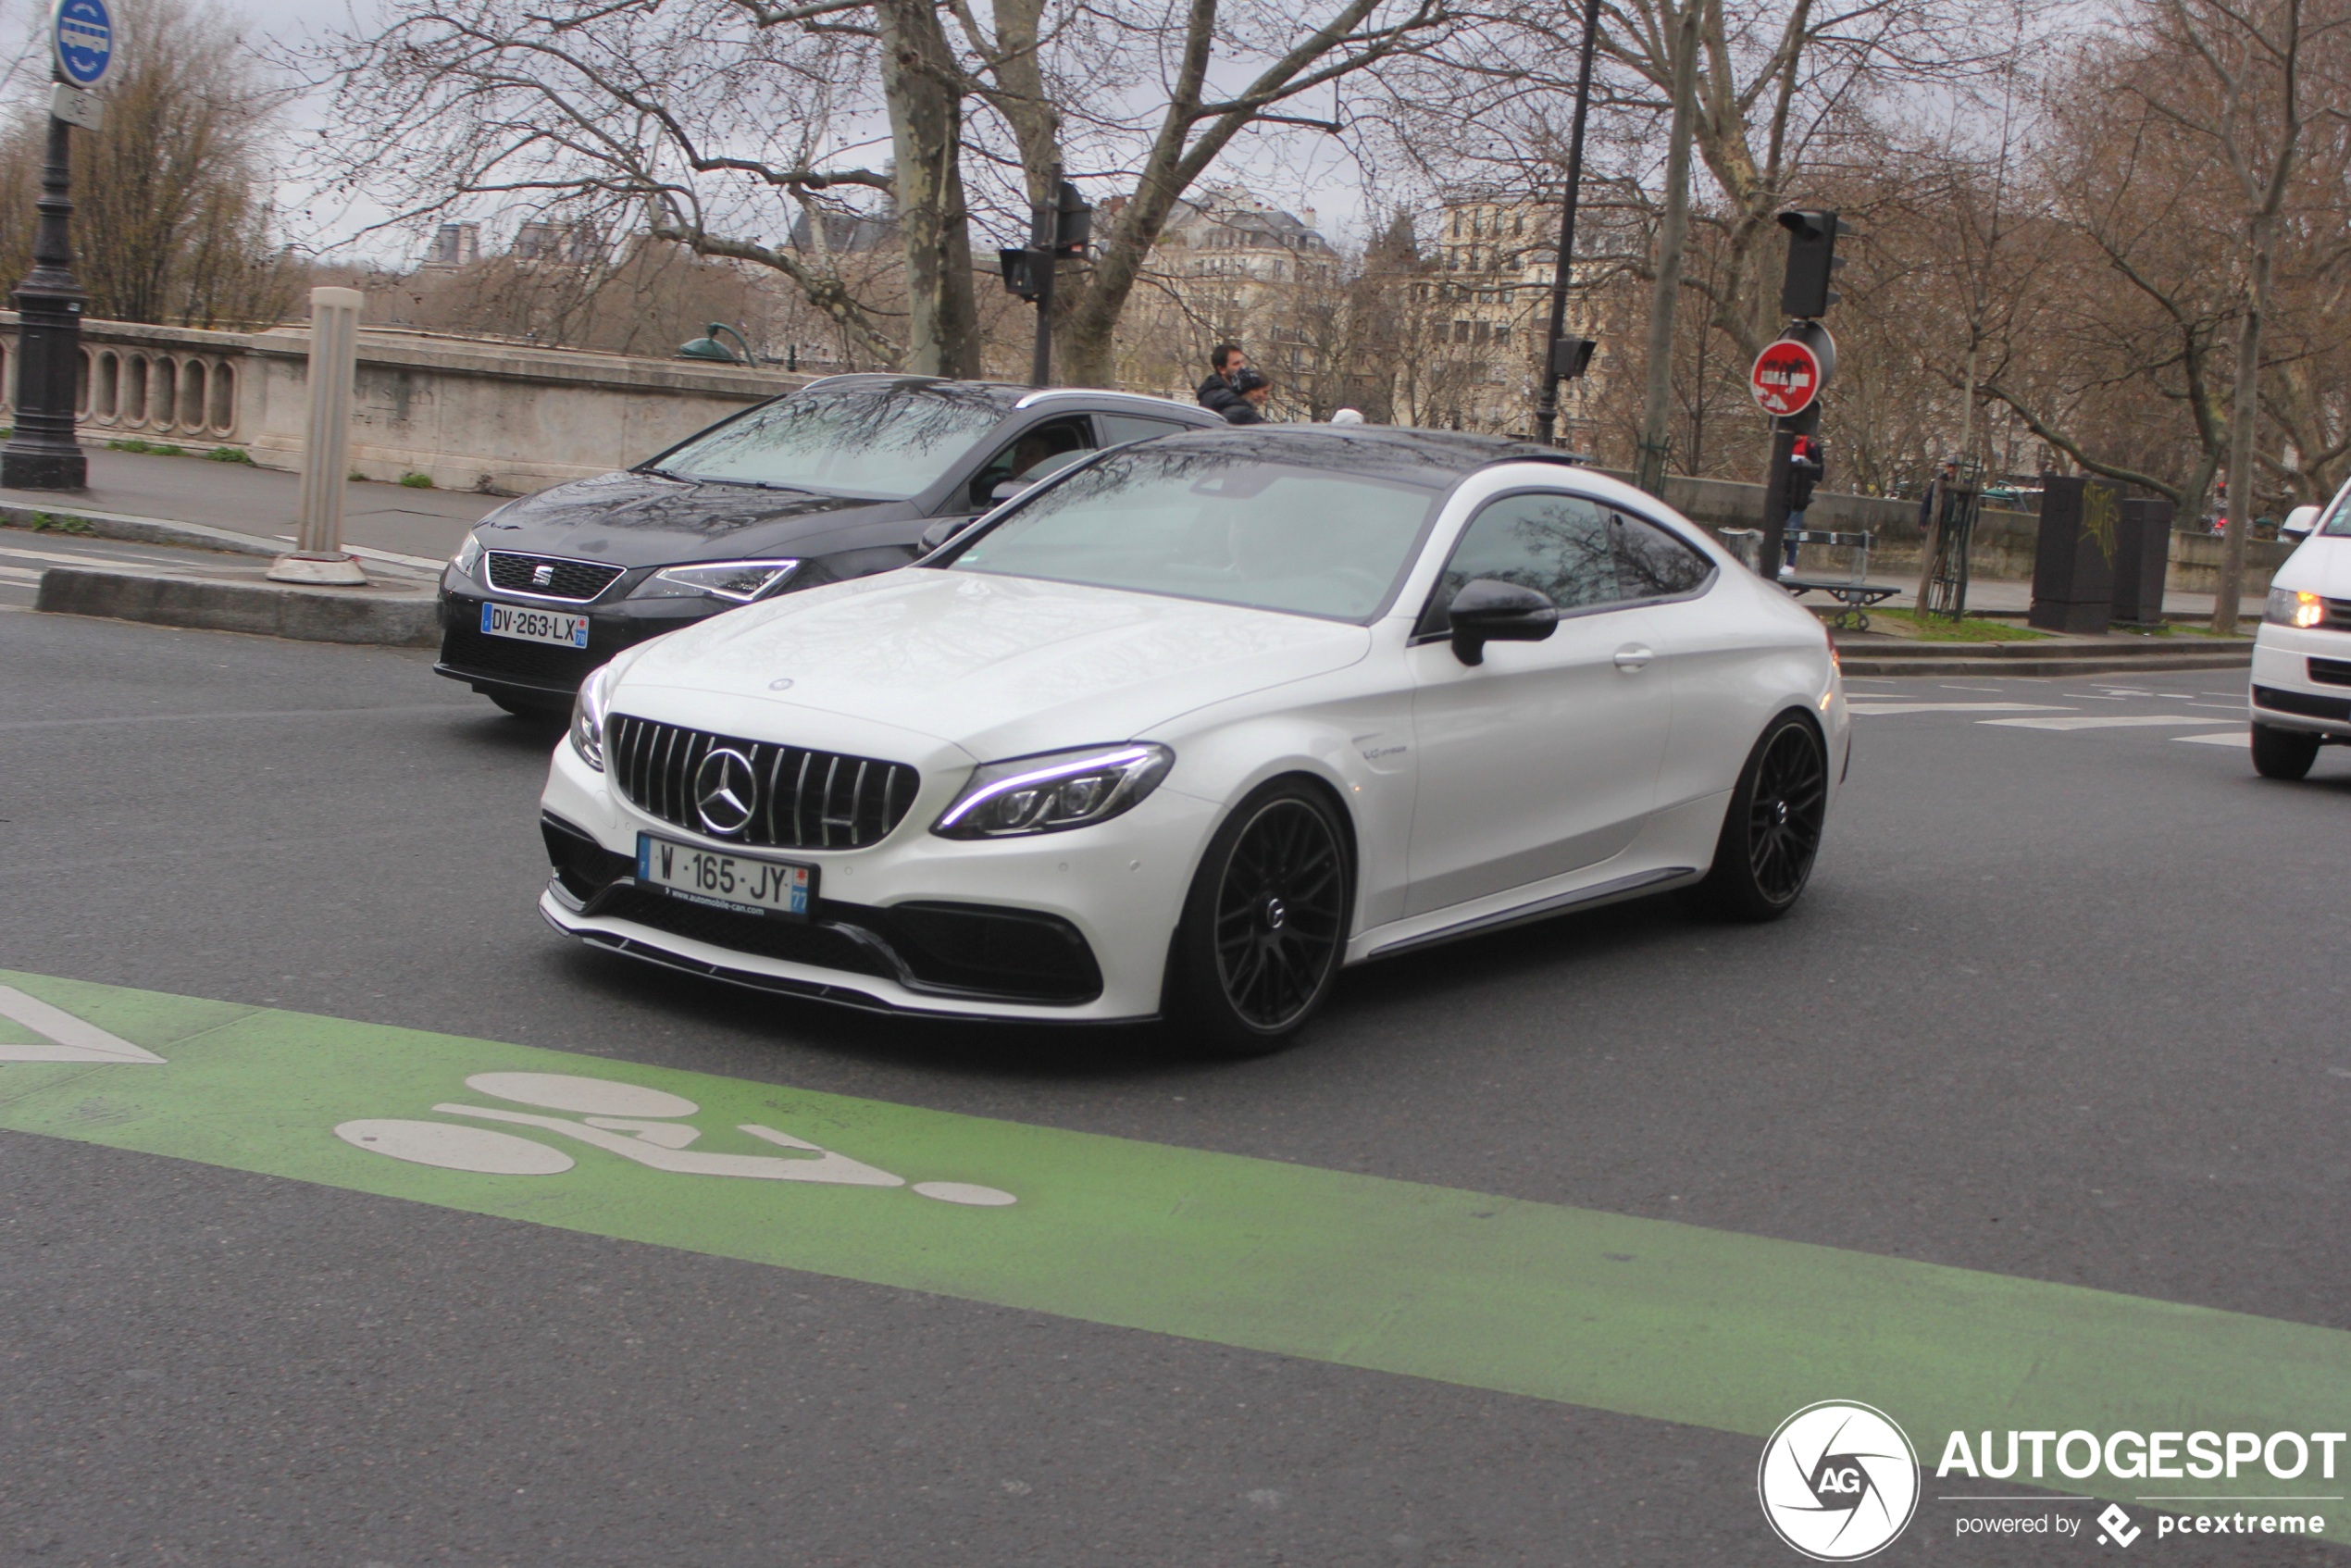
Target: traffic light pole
(1546, 408)
(43, 453)
(1043, 225)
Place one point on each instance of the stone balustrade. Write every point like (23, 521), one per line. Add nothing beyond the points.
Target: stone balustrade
(467, 413)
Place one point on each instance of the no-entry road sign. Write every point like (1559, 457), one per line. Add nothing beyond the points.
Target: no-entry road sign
(1786, 377)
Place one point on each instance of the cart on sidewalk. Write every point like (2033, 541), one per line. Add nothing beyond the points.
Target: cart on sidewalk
(1853, 592)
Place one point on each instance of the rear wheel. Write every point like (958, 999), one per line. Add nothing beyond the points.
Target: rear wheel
(1265, 924)
(2283, 753)
(1771, 832)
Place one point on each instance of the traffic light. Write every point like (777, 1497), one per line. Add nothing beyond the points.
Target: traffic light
(1024, 272)
(1570, 357)
(1812, 263)
(1072, 222)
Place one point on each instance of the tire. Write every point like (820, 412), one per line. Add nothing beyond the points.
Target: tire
(1771, 832)
(2283, 753)
(1264, 925)
(541, 709)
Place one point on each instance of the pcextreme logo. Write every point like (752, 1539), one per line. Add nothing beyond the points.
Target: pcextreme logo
(1838, 1481)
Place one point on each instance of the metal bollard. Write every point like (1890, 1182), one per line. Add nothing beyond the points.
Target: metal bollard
(318, 555)
(1746, 545)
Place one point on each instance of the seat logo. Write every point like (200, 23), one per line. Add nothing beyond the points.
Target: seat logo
(1838, 1481)
(725, 787)
(542, 576)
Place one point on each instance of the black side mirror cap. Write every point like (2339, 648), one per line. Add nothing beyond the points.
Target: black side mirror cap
(1490, 611)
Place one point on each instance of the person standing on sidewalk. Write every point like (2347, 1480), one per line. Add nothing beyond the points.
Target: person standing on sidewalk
(1252, 391)
(1804, 467)
(1227, 364)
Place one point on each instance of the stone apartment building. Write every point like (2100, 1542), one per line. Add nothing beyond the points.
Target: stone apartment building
(1228, 265)
(1489, 302)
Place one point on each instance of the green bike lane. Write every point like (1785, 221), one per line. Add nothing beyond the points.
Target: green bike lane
(1641, 1317)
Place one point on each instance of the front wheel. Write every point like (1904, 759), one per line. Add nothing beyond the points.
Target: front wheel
(2283, 753)
(1264, 925)
(1771, 832)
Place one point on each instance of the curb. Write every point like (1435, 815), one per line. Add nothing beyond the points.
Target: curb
(141, 531)
(271, 609)
(2086, 664)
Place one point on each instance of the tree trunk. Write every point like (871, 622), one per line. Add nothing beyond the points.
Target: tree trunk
(924, 89)
(1672, 239)
(2244, 417)
(1934, 528)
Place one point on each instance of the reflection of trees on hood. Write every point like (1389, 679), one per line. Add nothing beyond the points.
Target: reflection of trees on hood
(909, 416)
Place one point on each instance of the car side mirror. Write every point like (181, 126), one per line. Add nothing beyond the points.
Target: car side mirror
(1487, 611)
(940, 532)
(1006, 488)
(2299, 522)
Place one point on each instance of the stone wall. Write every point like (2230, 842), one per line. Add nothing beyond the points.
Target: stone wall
(471, 413)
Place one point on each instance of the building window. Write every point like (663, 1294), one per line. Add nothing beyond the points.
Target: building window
(1460, 332)
(1501, 332)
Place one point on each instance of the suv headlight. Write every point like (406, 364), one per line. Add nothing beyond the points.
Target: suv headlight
(2289, 606)
(587, 718)
(741, 582)
(1054, 792)
(468, 555)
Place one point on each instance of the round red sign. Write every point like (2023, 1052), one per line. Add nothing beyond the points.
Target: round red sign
(1787, 378)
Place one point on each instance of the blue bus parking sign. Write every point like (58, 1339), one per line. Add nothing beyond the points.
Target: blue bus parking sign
(86, 40)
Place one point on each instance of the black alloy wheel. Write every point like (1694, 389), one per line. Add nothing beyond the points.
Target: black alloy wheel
(1265, 925)
(1771, 832)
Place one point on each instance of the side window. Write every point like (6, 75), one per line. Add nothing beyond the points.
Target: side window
(1030, 451)
(1557, 544)
(1117, 428)
(1652, 563)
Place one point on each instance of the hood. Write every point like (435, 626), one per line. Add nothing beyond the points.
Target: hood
(638, 519)
(999, 665)
(2319, 564)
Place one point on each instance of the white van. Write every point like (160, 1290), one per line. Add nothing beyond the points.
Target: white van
(2301, 693)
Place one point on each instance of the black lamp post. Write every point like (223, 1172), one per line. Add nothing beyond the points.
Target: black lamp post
(41, 453)
(1565, 357)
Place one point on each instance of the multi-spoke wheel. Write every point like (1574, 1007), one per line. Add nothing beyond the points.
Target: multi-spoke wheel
(1265, 924)
(1771, 833)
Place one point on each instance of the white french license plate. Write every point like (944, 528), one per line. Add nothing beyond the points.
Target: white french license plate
(525, 623)
(726, 881)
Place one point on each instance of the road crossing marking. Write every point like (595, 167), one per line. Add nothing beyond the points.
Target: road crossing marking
(2103, 721)
(2219, 738)
(1877, 707)
(1648, 1318)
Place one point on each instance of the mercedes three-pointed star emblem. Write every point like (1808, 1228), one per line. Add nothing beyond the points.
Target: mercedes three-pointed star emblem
(725, 788)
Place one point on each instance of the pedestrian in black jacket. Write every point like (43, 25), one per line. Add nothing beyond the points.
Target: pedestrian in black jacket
(1218, 392)
(1804, 467)
(1252, 391)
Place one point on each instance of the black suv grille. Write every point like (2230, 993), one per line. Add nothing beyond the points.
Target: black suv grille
(801, 799)
(581, 581)
(464, 648)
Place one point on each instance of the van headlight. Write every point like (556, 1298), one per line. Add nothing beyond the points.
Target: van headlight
(1054, 792)
(587, 718)
(738, 581)
(2290, 606)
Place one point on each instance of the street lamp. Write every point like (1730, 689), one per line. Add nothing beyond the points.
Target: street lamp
(707, 346)
(1564, 358)
(43, 453)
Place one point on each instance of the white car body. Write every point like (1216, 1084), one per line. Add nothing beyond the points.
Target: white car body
(2301, 677)
(1593, 766)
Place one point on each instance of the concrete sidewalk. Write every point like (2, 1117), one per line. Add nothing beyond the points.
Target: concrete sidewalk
(263, 503)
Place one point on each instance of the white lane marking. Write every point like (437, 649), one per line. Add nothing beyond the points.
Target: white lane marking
(2093, 696)
(455, 1148)
(18, 574)
(964, 1192)
(64, 1037)
(2219, 738)
(1874, 707)
(2102, 721)
(1949, 686)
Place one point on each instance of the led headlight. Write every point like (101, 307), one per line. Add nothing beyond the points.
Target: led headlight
(1054, 792)
(468, 555)
(741, 582)
(2291, 608)
(588, 720)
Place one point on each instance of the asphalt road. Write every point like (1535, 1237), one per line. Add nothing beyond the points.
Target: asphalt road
(2063, 1004)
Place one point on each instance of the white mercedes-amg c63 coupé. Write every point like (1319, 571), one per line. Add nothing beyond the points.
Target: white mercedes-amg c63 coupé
(1187, 728)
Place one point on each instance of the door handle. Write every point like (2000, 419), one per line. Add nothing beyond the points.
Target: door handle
(1634, 657)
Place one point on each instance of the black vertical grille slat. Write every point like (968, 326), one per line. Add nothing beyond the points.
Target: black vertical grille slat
(808, 800)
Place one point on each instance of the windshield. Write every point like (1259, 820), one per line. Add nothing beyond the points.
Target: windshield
(1229, 527)
(2336, 521)
(886, 442)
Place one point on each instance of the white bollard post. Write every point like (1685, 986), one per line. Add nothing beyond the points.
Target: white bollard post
(318, 555)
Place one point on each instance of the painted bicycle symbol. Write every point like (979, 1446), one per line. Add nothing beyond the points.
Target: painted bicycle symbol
(629, 1120)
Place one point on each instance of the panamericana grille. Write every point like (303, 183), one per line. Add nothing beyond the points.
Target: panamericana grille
(581, 581)
(802, 800)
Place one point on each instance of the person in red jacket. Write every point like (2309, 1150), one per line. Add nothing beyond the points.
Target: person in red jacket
(1804, 470)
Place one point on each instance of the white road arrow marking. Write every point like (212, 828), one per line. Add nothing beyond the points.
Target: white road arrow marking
(64, 1037)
